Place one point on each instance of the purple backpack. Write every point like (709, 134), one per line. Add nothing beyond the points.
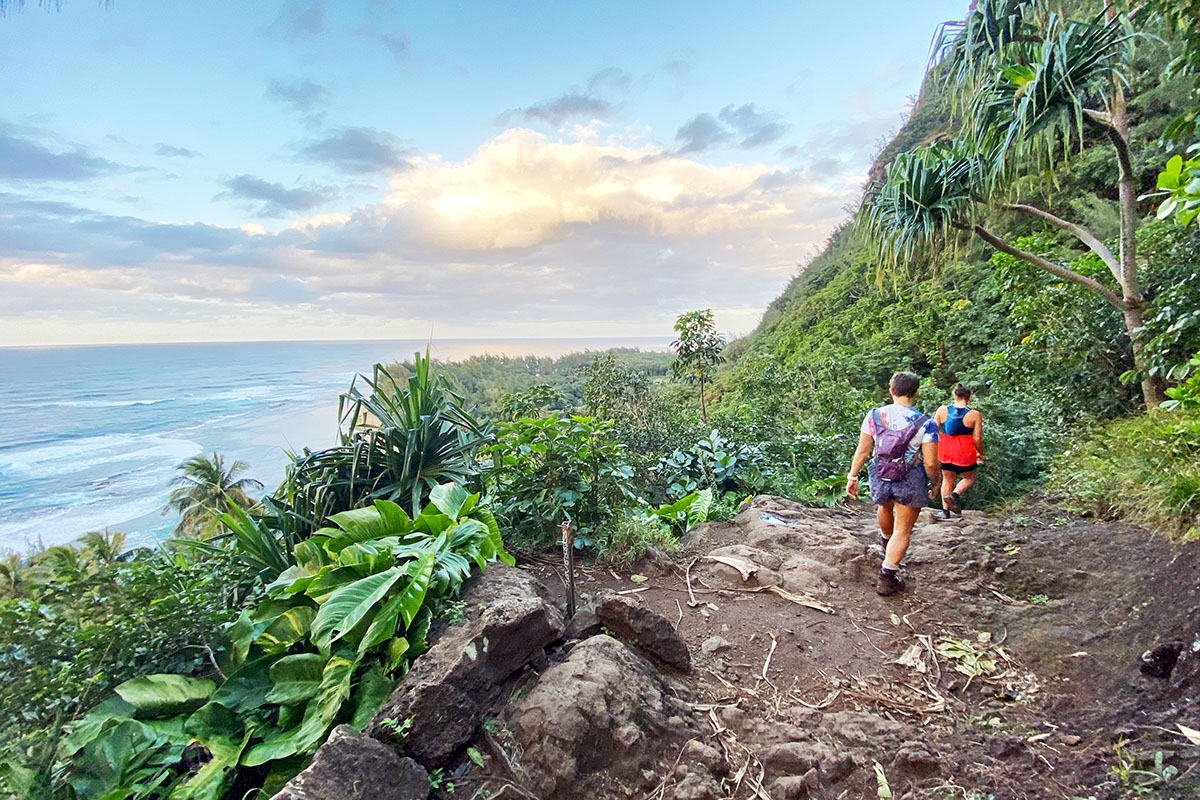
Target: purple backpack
(891, 447)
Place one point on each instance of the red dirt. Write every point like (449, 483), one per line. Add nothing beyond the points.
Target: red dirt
(1065, 608)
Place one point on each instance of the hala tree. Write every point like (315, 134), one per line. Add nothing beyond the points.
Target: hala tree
(1031, 85)
(697, 351)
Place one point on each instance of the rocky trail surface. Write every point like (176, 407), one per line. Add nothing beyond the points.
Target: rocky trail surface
(1031, 657)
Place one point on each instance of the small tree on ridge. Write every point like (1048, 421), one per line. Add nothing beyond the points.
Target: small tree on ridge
(697, 351)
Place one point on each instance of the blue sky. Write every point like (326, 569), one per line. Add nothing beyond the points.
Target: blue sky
(307, 169)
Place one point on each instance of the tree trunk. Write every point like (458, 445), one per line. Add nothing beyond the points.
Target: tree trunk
(703, 408)
(1152, 387)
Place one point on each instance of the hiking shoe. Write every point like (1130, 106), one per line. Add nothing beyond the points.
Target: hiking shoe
(942, 515)
(955, 506)
(888, 584)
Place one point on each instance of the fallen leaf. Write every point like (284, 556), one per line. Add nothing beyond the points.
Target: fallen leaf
(1191, 734)
(743, 565)
(895, 619)
(638, 578)
(1080, 654)
(713, 606)
(913, 657)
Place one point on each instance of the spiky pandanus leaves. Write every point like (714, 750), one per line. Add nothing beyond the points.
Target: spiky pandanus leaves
(967, 51)
(926, 191)
(1035, 111)
(407, 440)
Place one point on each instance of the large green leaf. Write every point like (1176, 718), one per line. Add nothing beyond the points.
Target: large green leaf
(347, 606)
(290, 627)
(383, 626)
(246, 689)
(383, 519)
(372, 692)
(450, 499)
(413, 594)
(211, 780)
(159, 694)
(295, 678)
(319, 715)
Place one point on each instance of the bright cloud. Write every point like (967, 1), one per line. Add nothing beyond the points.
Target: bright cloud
(529, 235)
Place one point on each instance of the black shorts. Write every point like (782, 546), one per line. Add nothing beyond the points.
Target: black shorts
(957, 468)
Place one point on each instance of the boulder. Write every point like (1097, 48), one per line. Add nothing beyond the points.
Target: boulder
(647, 630)
(507, 623)
(350, 766)
(603, 718)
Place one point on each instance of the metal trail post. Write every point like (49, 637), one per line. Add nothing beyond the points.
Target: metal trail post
(568, 539)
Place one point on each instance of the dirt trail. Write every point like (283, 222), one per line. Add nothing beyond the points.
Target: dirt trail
(1008, 669)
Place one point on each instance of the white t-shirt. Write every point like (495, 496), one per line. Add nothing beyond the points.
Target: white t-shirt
(897, 417)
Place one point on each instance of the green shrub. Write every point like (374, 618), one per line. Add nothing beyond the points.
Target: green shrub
(549, 469)
(626, 537)
(1145, 469)
(74, 631)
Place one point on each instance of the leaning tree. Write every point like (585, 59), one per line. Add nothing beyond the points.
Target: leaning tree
(1030, 85)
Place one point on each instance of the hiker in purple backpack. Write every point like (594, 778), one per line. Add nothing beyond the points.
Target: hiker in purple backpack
(903, 469)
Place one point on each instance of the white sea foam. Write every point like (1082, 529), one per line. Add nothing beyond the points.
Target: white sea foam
(75, 456)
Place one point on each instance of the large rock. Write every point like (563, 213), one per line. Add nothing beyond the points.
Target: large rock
(603, 720)
(350, 766)
(507, 623)
(647, 630)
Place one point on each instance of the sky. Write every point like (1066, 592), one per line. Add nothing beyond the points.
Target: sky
(365, 169)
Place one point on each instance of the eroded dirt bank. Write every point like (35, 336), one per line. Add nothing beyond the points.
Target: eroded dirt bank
(1011, 668)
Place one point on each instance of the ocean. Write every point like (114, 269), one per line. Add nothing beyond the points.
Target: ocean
(90, 436)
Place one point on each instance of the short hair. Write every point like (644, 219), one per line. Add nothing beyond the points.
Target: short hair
(962, 392)
(905, 384)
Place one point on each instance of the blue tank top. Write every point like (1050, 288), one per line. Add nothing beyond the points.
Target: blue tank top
(953, 426)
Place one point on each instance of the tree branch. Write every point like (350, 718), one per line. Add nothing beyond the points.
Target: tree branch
(1091, 284)
(1078, 231)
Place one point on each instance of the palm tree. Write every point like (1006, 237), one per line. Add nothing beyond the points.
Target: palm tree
(101, 548)
(204, 489)
(15, 575)
(1033, 85)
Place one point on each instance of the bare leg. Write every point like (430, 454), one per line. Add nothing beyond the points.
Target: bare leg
(906, 517)
(947, 487)
(883, 513)
(965, 482)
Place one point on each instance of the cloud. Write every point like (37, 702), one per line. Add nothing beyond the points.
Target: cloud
(744, 125)
(302, 96)
(701, 132)
(397, 44)
(600, 98)
(299, 19)
(23, 158)
(274, 199)
(171, 151)
(358, 150)
(754, 128)
(529, 233)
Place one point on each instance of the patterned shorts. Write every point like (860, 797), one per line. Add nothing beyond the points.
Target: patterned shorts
(911, 490)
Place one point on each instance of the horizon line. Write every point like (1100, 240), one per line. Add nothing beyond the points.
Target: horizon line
(430, 340)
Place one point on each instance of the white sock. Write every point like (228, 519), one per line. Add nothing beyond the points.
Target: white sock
(890, 567)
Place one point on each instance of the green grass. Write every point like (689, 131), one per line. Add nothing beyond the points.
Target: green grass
(1144, 469)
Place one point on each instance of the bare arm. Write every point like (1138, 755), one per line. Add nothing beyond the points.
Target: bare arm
(861, 453)
(977, 434)
(929, 452)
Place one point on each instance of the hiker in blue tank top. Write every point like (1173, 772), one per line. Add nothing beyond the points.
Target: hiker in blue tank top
(901, 472)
